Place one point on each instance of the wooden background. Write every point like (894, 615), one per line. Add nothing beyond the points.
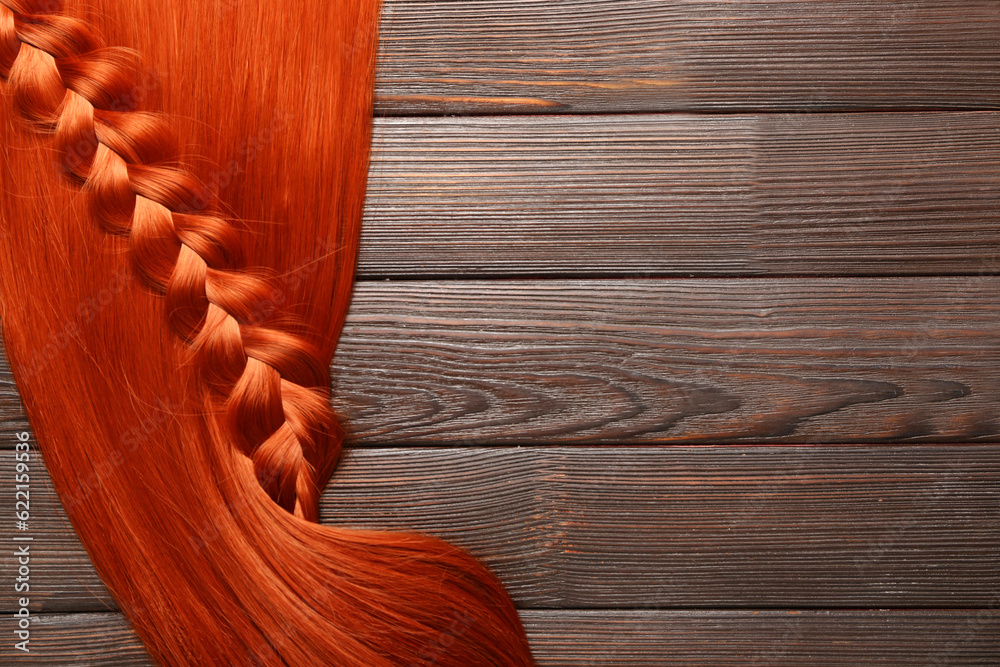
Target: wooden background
(681, 315)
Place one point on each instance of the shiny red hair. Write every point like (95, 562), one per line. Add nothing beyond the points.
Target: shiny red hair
(182, 188)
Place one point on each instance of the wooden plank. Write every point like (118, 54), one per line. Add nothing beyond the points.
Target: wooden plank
(632, 638)
(854, 194)
(540, 56)
(790, 360)
(768, 637)
(639, 361)
(75, 640)
(652, 527)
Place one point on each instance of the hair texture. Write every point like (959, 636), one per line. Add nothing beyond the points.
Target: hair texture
(181, 191)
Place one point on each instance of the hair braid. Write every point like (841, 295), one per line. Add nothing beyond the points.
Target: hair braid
(273, 385)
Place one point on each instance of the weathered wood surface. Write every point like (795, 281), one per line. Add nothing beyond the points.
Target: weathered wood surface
(583, 56)
(620, 361)
(652, 527)
(799, 638)
(837, 194)
(636, 361)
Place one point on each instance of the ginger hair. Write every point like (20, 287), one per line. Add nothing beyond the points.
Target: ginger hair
(182, 191)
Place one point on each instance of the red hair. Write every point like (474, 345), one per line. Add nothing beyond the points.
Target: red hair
(184, 414)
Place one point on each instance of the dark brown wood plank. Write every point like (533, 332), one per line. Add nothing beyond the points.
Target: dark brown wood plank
(766, 637)
(653, 527)
(854, 194)
(75, 640)
(639, 361)
(668, 361)
(539, 56)
(634, 638)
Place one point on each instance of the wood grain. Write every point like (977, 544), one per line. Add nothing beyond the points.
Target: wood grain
(792, 360)
(636, 638)
(828, 194)
(583, 56)
(659, 527)
(76, 640)
(798, 638)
